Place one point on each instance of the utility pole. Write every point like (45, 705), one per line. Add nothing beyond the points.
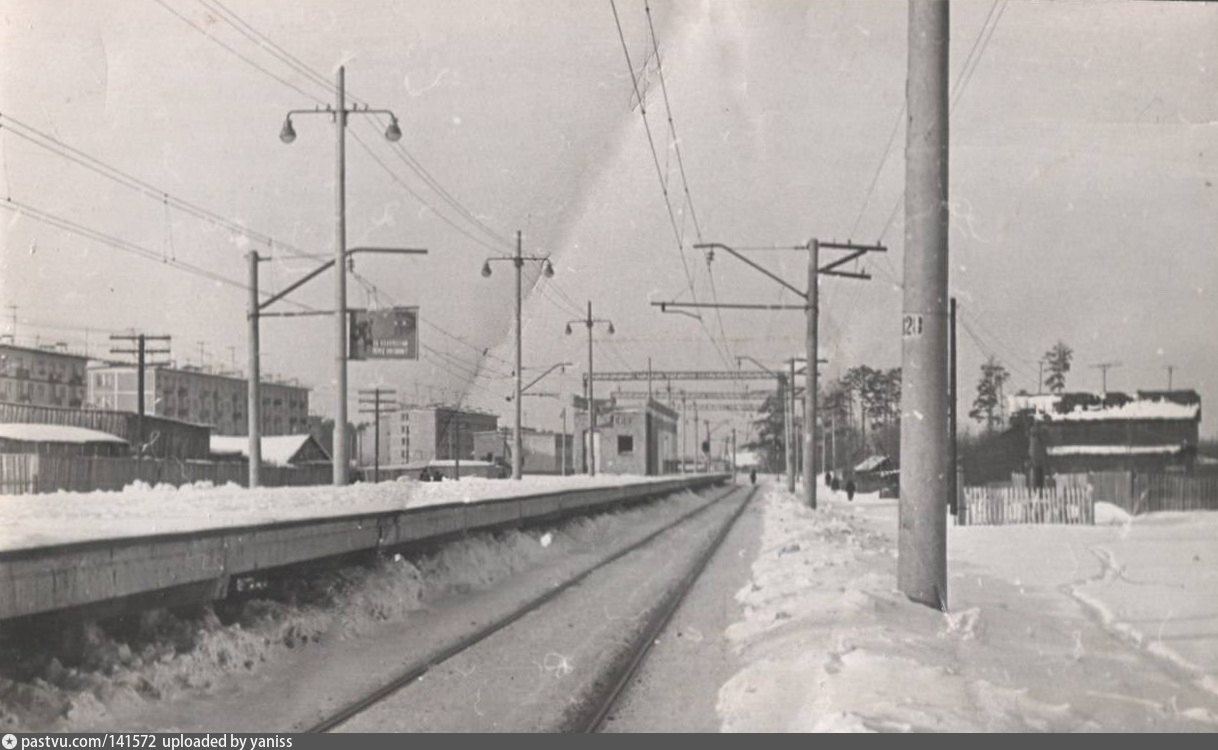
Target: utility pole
(810, 306)
(141, 351)
(392, 133)
(697, 448)
(253, 386)
(372, 397)
(339, 444)
(684, 433)
(1103, 367)
(922, 542)
(789, 405)
(733, 451)
(562, 445)
(589, 322)
(813, 333)
(833, 437)
(547, 268)
(1170, 369)
(953, 487)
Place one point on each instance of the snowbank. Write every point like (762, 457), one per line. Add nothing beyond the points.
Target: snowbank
(58, 518)
(829, 645)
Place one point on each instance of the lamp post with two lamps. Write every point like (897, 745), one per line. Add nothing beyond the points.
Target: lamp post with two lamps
(590, 321)
(548, 269)
(288, 134)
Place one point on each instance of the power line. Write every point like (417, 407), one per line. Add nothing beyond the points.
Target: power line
(247, 60)
(92, 163)
(262, 40)
(672, 128)
(313, 76)
(397, 178)
(672, 219)
(59, 222)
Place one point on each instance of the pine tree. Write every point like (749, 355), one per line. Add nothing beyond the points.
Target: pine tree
(987, 405)
(771, 433)
(1057, 360)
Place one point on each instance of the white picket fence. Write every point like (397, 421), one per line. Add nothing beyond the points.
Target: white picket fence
(996, 506)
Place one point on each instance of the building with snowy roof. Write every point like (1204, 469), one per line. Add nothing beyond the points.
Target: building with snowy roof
(1148, 431)
(277, 450)
(59, 440)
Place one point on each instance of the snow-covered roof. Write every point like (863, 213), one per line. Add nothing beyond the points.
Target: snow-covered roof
(1085, 407)
(1112, 450)
(277, 450)
(55, 433)
(747, 458)
(871, 463)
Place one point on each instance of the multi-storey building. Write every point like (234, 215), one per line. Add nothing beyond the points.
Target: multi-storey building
(416, 434)
(194, 395)
(43, 377)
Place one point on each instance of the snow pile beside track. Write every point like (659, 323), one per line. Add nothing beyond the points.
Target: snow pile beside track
(1028, 645)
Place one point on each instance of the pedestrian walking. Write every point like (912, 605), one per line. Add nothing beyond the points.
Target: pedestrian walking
(850, 490)
(752, 476)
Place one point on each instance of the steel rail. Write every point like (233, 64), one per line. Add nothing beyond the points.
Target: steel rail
(417, 670)
(659, 620)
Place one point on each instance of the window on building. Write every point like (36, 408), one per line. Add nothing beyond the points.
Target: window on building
(625, 445)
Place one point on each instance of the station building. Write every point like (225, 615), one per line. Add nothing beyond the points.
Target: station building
(630, 440)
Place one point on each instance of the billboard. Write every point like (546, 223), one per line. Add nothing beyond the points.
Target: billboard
(392, 333)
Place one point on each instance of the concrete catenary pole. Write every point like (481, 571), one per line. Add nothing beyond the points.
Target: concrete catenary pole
(139, 385)
(788, 405)
(517, 442)
(253, 386)
(591, 403)
(697, 446)
(810, 376)
(339, 448)
(953, 495)
(922, 543)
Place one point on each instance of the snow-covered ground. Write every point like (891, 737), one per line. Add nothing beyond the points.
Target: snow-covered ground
(63, 517)
(1052, 628)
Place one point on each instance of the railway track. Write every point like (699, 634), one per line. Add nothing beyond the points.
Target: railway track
(613, 676)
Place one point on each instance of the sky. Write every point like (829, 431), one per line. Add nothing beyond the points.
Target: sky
(1082, 167)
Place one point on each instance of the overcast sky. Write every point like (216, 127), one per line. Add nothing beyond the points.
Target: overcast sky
(1084, 152)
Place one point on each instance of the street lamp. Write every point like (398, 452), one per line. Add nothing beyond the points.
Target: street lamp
(548, 269)
(288, 134)
(590, 321)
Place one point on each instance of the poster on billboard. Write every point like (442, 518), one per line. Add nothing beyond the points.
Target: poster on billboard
(391, 333)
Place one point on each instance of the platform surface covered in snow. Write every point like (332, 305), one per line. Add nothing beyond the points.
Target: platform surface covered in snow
(65, 517)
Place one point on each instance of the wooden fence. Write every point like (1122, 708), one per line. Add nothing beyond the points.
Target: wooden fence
(25, 473)
(1149, 493)
(996, 506)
